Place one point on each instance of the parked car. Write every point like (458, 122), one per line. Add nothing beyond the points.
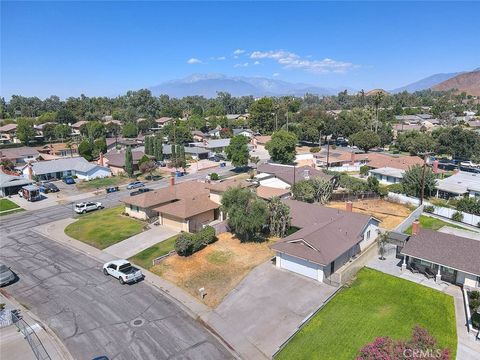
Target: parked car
(140, 191)
(51, 187)
(68, 180)
(123, 271)
(112, 189)
(83, 207)
(217, 158)
(135, 184)
(6, 275)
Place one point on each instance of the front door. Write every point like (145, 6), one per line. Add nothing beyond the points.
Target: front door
(448, 274)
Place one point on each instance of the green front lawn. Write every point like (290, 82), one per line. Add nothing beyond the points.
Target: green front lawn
(102, 183)
(375, 305)
(145, 258)
(427, 222)
(103, 228)
(6, 204)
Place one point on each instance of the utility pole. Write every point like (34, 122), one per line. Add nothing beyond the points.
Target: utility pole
(328, 152)
(422, 189)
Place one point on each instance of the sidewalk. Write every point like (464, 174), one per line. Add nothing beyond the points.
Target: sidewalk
(15, 346)
(237, 344)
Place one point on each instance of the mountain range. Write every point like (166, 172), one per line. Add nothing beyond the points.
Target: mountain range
(209, 84)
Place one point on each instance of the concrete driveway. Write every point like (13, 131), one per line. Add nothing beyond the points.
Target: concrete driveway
(269, 305)
(137, 243)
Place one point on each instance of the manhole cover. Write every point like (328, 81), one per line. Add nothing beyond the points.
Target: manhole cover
(138, 322)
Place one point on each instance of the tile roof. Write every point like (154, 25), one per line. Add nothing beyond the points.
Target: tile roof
(286, 172)
(325, 233)
(56, 147)
(188, 207)
(448, 250)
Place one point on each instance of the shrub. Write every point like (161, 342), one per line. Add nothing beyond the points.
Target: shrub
(383, 191)
(396, 188)
(428, 209)
(469, 205)
(476, 320)
(184, 244)
(474, 304)
(457, 216)
(364, 170)
(475, 295)
(314, 149)
(207, 235)
(214, 176)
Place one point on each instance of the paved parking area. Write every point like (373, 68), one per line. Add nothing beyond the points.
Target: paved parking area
(269, 305)
(133, 245)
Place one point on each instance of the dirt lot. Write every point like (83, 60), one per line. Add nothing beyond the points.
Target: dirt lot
(391, 214)
(218, 268)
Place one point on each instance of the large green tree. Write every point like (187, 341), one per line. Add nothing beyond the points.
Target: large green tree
(282, 147)
(85, 149)
(246, 213)
(458, 142)
(279, 221)
(129, 161)
(415, 142)
(62, 131)
(129, 130)
(25, 130)
(412, 181)
(262, 115)
(365, 140)
(237, 151)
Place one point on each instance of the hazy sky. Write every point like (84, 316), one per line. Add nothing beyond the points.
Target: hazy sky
(106, 48)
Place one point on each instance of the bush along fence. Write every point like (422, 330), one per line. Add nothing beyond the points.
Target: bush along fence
(452, 214)
(188, 244)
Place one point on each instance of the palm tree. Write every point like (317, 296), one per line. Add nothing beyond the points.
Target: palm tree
(382, 241)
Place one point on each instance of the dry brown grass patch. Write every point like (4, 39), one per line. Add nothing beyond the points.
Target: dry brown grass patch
(218, 268)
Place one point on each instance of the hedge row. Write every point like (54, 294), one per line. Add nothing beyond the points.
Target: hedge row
(188, 244)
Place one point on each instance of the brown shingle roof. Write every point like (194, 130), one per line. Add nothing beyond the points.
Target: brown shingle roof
(188, 207)
(286, 173)
(222, 186)
(15, 153)
(325, 233)
(266, 192)
(448, 250)
(158, 197)
(376, 160)
(8, 127)
(117, 159)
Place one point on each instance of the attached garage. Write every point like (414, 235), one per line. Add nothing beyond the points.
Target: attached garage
(300, 266)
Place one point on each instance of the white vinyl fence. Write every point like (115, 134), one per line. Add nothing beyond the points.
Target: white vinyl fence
(469, 219)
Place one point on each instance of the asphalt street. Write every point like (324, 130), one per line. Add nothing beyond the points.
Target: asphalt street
(93, 314)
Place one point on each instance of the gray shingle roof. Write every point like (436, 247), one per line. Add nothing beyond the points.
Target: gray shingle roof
(445, 249)
(460, 183)
(51, 166)
(286, 173)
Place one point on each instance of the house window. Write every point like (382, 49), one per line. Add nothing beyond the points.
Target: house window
(368, 234)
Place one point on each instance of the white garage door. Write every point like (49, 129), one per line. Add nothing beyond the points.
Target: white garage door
(299, 266)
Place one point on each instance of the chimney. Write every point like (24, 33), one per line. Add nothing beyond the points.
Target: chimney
(172, 181)
(435, 167)
(30, 171)
(352, 158)
(415, 227)
(100, 161)
(349, 206)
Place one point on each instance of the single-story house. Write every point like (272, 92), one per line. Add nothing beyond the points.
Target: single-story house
(8, 134)
(59, 168)
(449, 257)
(327, 239)
(245, 132)
(339, 157)
(461, 184)
(76, 127)
(387, 175)
(10, 184)
(19, 155)
(161, 122)
(214, 133)
(59, 149)
(198, 135)
(195, 152)
(115, 160)
(217, 188)
(378, 160)
(284, 176)
(268, 193)
(186, 206)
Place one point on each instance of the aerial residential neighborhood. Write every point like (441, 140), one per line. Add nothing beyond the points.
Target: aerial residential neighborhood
(239, 180)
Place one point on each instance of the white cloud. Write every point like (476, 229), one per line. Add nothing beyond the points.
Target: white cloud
(194, 61)
(238, 52)
(257, 63)
(241, 65)
(276, 74)
(291, 60)
(220, 58)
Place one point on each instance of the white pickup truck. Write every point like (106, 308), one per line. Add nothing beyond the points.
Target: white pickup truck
(123, 271)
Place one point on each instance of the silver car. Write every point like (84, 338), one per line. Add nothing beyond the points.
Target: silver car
(6, 275)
